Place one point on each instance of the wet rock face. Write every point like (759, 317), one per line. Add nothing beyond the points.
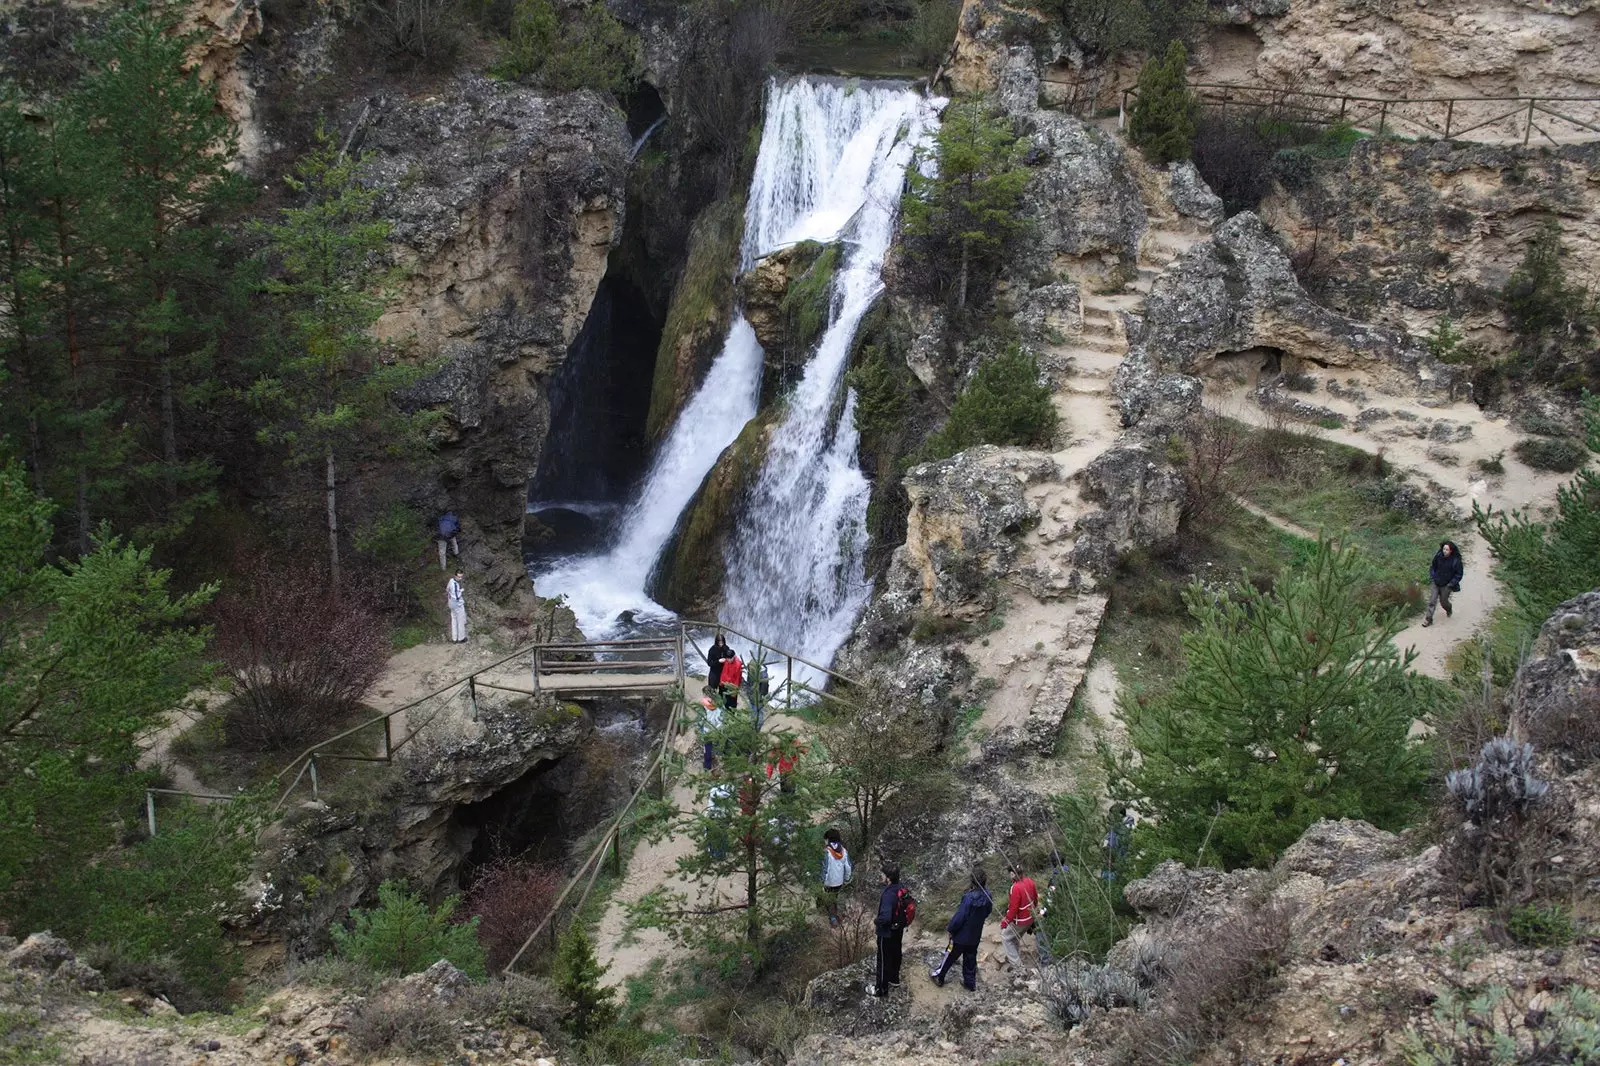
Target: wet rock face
(503, 204)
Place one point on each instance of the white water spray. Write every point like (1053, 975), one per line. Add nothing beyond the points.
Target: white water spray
(795, 567)
(832, 159)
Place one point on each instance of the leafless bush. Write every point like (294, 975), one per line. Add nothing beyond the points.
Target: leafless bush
(1568, 727)
(856, 934)
(1206, 985)
(510, 899)
(300, 654)
(425, 34)
(390, 1025)
(1213, 450)
(514, 999)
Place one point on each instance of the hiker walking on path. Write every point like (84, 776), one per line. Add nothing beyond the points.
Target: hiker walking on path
(719, 654)
(449, 528)
(1022, 915)
(455, 598)
(966, 932)
(836, 871)
(896, 910)
(1444, 577)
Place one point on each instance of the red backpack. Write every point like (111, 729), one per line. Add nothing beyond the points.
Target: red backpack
(905, 908)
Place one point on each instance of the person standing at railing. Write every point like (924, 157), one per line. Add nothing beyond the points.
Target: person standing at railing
(455, 599)
(719, 654)
(732, 678)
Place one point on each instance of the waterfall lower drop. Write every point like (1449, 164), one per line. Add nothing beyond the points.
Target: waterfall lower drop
(832, 161)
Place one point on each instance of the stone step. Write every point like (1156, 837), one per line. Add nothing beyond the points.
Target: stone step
(1101, 328)
(1098, 313)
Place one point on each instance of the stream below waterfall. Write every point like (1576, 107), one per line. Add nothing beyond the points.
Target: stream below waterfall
(830, 169)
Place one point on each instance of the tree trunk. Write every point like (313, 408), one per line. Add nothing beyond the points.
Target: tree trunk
(333, 522)
(961, 293)
(81, 500)
(752, 928)
(169, 427)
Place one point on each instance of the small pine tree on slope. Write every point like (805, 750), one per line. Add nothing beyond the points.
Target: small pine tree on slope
(1162, 124)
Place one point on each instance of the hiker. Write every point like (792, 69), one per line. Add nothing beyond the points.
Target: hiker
(732, 677)
(454, 597)
(719, 654)
(1022, 910)
(710, 722)
(449, 527)
(966, 932)
(896, 910)
(1444, 575)
(836, 871)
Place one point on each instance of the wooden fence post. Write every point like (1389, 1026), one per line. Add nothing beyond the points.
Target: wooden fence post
(1383, 116)
(1449, 113)
(1527, 133)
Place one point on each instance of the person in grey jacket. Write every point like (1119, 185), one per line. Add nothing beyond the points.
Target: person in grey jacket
(1444, 577)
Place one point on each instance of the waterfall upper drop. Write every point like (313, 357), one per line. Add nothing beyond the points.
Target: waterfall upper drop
(831, 165)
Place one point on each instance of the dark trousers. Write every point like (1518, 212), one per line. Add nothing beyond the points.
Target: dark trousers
(968, 953)
(888, 971)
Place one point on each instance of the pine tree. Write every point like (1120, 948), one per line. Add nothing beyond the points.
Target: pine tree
(1537, 298)
(327, 392)
(577, 976)
(961, 220)
(1162, 124)
(1293, 705)
(402, 935)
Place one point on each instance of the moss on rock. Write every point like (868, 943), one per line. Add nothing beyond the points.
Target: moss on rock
(697, 318)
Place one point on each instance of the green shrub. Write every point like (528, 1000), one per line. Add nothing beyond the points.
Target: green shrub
(1109, 27)
(403, 935)
(932, 29)
(1541, 927)
(1486, 1028)
(577, 976)
(1562, 455)
(1084, 912)
(1537, 298)
(1004, 403)
(1495, 464)
(805, 305)
(585, 48)
(1162, 124)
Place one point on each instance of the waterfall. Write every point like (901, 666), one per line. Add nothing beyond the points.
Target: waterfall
(830, 167)
(795, 565)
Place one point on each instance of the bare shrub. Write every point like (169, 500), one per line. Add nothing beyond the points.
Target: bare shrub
(1568, 727)
(509, 900)
(514, 999)
(1213, 451)
(1500, 853)
(855, 936)
(301, 655)
(416, 1025)
(1205, 986)
(425, 34)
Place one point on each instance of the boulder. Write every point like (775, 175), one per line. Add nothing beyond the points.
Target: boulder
(1191, 195)
(1563, 664)
(1140, 497)
(1336, 851)
(41, 953)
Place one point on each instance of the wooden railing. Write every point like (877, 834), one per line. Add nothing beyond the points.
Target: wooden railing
(1492, 119)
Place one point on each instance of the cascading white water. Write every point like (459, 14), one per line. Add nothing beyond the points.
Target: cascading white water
(795, 567)
(831, 161)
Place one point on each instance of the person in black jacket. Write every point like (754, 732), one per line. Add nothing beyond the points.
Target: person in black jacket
(891, 934)
(719, 654)
(1444, 577)
(966, 932)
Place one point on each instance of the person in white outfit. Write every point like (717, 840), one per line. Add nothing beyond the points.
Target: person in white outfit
(454, 596)
(836, 871)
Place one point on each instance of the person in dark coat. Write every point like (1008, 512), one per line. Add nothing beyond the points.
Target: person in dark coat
(891, 934)
(719, 654)
(966, 932)
(1444, 577)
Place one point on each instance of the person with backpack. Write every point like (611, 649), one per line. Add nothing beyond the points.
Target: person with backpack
(897, 908)
(1022, 909)
(966, 932)
(449, 528)
(732, 678)
(1444, 577)
(836, 871)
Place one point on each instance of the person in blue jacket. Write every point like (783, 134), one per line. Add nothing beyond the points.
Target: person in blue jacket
(1444, 577)
(966, 932)
(891, 930)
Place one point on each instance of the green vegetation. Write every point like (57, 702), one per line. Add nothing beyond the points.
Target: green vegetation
(1003, 403)
(1162, 124)
(1554, 320)
(1546, 562)
(1109, 28)
(1292, 705)
(577, 976)
(805, 304)
(1486, 1027)
(961, 223)
(1559, 454)
(561, 48)
(1242, 152)
(403, 935)
(1541, 927)
(1084, 910)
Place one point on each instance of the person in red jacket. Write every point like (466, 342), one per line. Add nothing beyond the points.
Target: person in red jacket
(732, 678)
(1021, 913)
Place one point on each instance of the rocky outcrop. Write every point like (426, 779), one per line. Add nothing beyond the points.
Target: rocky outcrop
(325, 858)
(965, 515)
(1238, 292)
(1561, 677)
(1401, 232)
(503, 203)
(1140, 499)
